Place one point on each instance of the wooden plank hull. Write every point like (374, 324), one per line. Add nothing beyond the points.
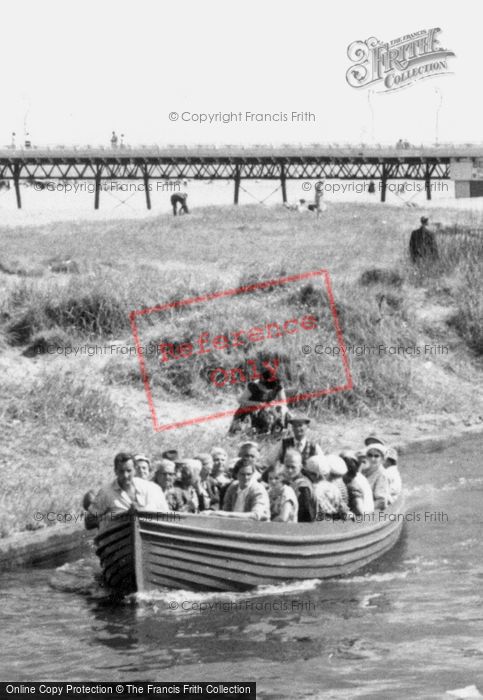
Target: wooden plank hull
(194, 552)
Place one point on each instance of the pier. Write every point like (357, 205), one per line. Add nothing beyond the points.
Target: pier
(34, 165)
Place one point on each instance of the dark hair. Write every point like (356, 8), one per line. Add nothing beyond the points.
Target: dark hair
(172, 455)
(351, 463)
(121, 458)
(238, 464)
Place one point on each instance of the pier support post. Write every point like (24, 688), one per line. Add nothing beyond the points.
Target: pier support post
(16, 182)
(98, 187)
(383, 184)
(427, 181)
(283, 182)
(237, 184)
(146, 187)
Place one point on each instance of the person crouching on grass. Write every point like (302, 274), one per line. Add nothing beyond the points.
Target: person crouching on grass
(245, 498)
(125, 493)
(283, 501)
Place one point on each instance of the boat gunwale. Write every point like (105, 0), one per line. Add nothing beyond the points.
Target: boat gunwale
(357, 529)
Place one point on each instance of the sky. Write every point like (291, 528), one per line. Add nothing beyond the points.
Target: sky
(73, 72)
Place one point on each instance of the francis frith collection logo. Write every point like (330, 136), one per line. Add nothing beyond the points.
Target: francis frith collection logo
(398, 63)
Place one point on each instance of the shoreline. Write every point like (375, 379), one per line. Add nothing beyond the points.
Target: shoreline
(30, 549)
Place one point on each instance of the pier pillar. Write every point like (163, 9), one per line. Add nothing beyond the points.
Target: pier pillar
(427, 181)
(383, 184)
(16, 182)
(146, 188)
(98, 187)
(237, 184)
(283, 182)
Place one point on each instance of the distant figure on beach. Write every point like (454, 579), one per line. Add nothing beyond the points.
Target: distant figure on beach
(319, 205)
(422, 244)
(114, 140)
(179, 198)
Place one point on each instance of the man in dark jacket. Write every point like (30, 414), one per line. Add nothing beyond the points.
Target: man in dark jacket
(422, 244)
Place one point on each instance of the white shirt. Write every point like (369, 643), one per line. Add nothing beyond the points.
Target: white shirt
(111, 499)
(395, 483)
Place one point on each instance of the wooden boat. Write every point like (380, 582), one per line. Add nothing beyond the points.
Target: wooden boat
(147, 551)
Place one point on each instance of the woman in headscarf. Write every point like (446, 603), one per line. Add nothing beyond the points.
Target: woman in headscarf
(327, 496)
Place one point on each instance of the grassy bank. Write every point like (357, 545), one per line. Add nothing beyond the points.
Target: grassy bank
(66, 411)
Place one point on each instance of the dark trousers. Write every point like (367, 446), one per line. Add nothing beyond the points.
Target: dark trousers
(175, 200)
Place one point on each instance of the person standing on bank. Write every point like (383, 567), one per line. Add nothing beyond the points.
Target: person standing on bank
(422, 244)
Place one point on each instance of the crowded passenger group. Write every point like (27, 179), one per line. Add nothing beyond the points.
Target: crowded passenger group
(294, 482)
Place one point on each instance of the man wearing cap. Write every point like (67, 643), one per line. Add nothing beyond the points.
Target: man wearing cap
(125, 493)
(422, 244)
(376, 474)
(298, 440)
(393, 475)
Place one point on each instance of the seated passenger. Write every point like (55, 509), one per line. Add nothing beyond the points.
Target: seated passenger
(220, 463)
(283, 501)
(249, 453)
(207, 489)
(393, 475)
(376, 474)
(300, 484)
(358, 488)
(143, 467)
(299, 441)
(245, 497)
(126, 492)
(327, 496)
(187, 483)
(164, 476)
(337, 470)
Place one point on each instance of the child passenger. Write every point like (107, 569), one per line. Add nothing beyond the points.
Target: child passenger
(283, 501)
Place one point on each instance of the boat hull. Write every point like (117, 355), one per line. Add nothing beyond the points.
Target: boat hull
(193, 552)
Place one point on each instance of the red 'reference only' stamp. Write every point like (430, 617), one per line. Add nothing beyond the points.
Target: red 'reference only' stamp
(293, 328)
